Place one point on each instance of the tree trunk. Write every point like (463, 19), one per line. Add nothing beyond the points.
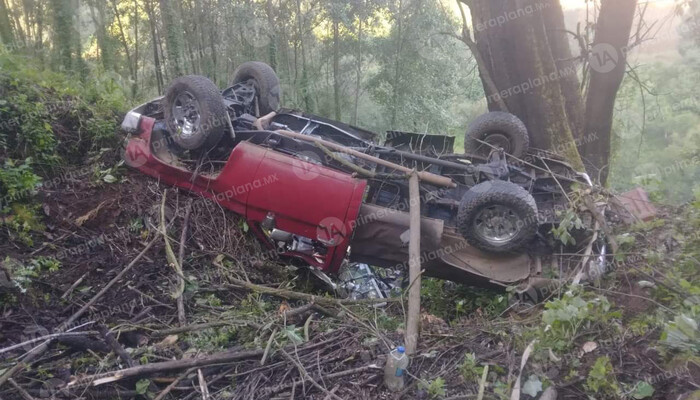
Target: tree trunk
(358, 75)
(63, 32)
(336, 68)
(125, 44)
(40, 31)
(16, 25)
(97, 13)
(80, 62)
(136, 45)
(525, 48)
(521, 63)
(397, 66)
(308, 101)
(172, 37)
(608, 63)
(6, 35)
(150, 12)
(272, 46)
(566, 65)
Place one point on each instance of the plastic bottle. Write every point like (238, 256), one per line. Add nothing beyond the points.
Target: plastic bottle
(395, 368)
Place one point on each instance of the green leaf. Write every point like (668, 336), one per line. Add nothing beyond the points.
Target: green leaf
(532, 386)
(642, 390)
(291, 333)
(243, 225)
(109, 178)
(142, 386)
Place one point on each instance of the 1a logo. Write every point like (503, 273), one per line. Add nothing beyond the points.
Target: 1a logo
(603, 58)
(134, 156)
(331, 231)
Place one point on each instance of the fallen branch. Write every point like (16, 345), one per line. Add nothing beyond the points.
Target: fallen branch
(121, 353)
(169, 253)
(204, 389)
(225, 357)
(199, 327)
(165, 366)
(359, 170)
(116, 347)
(73, 286)
(39, 350)
(353, 371)
(181, 256)
(174, 383)
(20, 390)
(267, 347)
(429, 177)
(46, 337)
(306, 376)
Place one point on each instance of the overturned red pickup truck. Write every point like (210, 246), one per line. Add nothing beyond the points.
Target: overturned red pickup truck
(483, 212)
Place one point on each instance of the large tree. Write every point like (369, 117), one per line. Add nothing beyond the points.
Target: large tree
(527, 68)
(6, 35)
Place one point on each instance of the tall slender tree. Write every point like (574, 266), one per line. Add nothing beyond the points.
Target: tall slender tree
(64, 32)
(6, 34)
(173, 37)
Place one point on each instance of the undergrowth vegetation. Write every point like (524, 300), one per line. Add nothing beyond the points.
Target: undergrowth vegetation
(49, 120)
(647, 307)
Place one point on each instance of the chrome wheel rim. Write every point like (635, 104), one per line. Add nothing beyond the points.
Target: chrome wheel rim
(186, 114)
(497, 224)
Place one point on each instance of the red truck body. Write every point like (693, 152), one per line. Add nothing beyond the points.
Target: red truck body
(259, 183)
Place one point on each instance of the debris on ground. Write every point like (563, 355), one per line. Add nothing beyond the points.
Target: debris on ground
(258, 327)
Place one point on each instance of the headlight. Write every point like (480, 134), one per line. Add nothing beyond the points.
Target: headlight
(131, 122)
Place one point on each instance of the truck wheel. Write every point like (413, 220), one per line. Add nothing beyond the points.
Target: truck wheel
(499, 129)
(266, 82)
(498, 217)
(195, 113)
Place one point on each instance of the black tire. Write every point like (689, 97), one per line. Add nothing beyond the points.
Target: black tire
(518, 216)
(267, 84)
(500, 129)
(213, 118)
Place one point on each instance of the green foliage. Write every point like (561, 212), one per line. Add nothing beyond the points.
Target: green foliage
(435, 387)
(51, 117)
(569, 220)
(21, 275)
(17, 184)
(642, 390)
(470, 369)
(108, 175)
(142, 386)
(656, 141)
(450, 301)
(682, 334)
(422, 75)
(387, 322)
(49, 264)
(47, 119)
(601, 379)
(563, 318)
(22, 221)
(213, 339)
(292, 334)
(17, 181)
